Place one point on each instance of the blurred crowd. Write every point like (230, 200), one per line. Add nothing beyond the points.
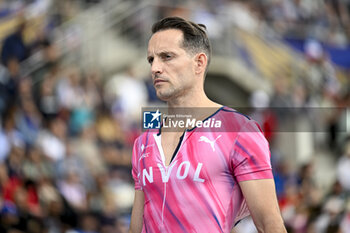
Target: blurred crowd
(65, 155)
(305, 206)
(318, 114)
(65, 139)
(325, 20)
(66, 133)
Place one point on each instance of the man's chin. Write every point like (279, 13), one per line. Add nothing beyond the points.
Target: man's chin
(164, 96)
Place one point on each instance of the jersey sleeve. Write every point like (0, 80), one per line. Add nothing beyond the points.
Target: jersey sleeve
(135, 165)
(250, 155)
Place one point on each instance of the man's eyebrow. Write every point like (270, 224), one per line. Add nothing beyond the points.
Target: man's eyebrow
(165, 52)
(162, 53)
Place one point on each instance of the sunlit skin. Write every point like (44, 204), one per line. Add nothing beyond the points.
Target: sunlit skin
(177, 74)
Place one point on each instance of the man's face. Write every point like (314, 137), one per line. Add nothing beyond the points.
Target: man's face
(173, 69)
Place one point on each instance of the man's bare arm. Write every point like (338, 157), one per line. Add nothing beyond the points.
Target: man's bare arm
(263, 206)
(137, 212)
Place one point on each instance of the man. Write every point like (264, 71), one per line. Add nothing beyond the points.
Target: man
(14, 47)
(194, 180)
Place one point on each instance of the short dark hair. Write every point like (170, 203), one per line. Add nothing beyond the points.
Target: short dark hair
(195, 38)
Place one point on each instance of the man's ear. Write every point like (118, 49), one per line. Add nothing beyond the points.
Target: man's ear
(201, 62)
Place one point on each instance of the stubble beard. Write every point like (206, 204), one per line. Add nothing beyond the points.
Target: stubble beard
(167, 94)
(173, 94)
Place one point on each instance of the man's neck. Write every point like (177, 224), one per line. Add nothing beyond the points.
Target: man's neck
(199, 107)
(192, 101)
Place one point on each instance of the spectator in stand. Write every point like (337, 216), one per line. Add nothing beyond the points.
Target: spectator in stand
(343, 167)
(28, 120)
(9, 85)
(127, 93)
(69, 89)
(36, 166)
(47, 97)
(76, 164)
(73, 191)
(345, 223)
(14, 46)
(86, 147)
(9, 218)
(52, 141)
(10, 137)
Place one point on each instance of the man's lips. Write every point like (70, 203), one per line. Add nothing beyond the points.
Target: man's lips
(157, 81)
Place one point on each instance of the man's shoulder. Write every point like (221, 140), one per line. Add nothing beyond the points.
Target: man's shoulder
(236, 121)
(233, 118)
(234, 112)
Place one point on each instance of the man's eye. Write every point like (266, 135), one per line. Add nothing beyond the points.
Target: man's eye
(150, 60)
(167, 57)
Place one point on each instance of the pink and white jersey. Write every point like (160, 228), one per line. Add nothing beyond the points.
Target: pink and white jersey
(199, 190)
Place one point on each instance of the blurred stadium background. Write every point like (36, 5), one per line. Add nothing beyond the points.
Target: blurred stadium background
(73, 78)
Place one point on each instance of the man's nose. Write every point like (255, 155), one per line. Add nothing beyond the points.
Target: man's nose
(156, 67)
